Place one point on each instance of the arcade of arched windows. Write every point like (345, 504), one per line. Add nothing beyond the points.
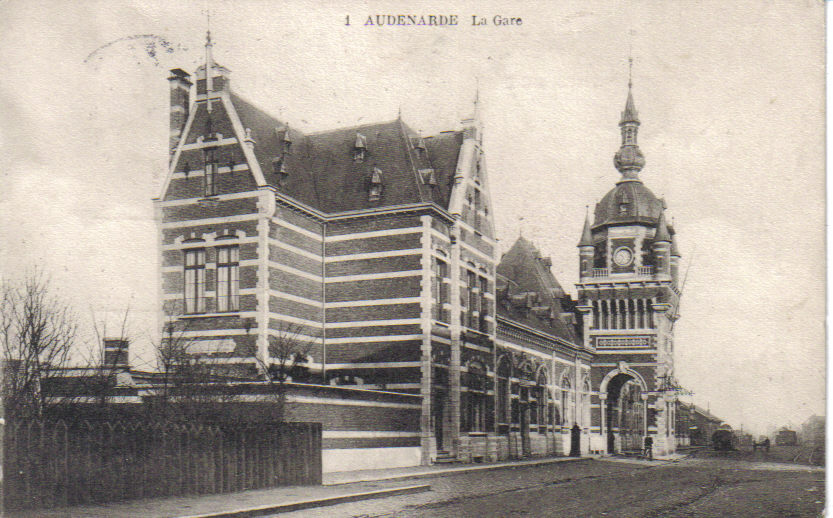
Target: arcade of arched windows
(623, 314)
(524, 392)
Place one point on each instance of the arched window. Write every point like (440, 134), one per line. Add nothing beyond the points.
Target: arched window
(568, 401)
(585, 403)
(541, 393)
(502, 395)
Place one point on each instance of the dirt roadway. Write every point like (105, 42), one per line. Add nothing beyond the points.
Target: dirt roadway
(696, 487)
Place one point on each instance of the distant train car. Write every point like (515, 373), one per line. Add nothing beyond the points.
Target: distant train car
(723, 440)
(786, 438)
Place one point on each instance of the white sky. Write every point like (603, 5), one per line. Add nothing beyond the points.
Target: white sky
(730, 98)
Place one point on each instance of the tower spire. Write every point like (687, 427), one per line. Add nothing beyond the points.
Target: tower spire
(629, 159)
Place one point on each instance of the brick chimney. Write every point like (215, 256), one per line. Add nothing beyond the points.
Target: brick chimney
(116, 354)
(180, 82)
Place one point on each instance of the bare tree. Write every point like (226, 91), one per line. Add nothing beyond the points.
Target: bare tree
(37, 331)
(287, 353)
(189, 382)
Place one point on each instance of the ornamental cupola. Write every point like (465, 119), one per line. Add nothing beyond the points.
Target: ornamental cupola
(630, 201)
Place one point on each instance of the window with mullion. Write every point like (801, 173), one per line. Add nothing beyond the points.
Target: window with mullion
(439, 290)
(474, 300)
(195, 280)
(484, 305)
(210, 173)
(228, 278)
(475, 403)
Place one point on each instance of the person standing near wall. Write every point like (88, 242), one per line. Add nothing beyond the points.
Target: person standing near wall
(648, 449)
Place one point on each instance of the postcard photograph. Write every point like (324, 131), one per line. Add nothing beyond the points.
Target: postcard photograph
(412, 258)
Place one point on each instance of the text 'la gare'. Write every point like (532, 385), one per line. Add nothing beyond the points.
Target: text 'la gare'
(435, 20)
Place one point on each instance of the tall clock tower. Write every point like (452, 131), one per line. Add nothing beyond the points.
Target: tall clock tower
(629, 293)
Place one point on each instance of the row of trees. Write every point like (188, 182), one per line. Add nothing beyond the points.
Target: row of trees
(47, 365)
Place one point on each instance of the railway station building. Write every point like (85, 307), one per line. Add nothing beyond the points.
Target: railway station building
(375, 246)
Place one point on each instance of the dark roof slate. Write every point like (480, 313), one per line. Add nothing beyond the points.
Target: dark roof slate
(522, 270)
(321, 170)
(640, 205)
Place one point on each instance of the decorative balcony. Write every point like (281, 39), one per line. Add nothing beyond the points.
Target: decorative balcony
(641, 271)
(644, 270)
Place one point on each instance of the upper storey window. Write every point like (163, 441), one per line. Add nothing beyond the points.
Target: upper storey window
(439, 290)
(195, 280)
(228, 279)
(210, 173)
(478, 206)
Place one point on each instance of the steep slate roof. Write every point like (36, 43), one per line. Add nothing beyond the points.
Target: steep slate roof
(523, 270)
(321, 170)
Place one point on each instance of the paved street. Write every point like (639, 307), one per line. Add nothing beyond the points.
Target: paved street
(693, 487)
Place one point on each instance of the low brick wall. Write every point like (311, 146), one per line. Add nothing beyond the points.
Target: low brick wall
(361, 429)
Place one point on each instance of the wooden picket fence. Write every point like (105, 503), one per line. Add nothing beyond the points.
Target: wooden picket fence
(55, 463)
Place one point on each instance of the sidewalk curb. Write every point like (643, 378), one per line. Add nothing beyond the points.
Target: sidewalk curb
(308, 504)
(462, 469)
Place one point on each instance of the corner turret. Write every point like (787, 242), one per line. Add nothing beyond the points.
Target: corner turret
(662, 247)
(585, 246)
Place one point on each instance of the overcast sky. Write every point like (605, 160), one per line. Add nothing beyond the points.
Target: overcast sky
(730, 95)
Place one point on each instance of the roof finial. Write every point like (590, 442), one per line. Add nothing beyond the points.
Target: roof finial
(208, 58)
(630, 59)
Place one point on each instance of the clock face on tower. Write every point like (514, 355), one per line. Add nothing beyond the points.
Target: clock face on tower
(623, 256)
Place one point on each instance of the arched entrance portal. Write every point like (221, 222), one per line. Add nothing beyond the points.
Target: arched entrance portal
(625, 414)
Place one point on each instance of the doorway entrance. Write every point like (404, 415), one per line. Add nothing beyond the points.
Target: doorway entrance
(625, 415)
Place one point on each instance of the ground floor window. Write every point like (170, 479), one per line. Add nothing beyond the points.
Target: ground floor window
(474, 408)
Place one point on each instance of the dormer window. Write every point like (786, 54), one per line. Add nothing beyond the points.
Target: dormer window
(286, 141)
(624, 201)
(419, 145)
(360, 148)
(428, 177)
(375, 185)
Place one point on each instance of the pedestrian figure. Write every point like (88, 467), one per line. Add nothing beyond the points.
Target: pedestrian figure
(648, 450)
(575, 441)
(766, 444)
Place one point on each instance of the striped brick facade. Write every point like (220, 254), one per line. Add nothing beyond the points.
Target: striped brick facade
(375, 246)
